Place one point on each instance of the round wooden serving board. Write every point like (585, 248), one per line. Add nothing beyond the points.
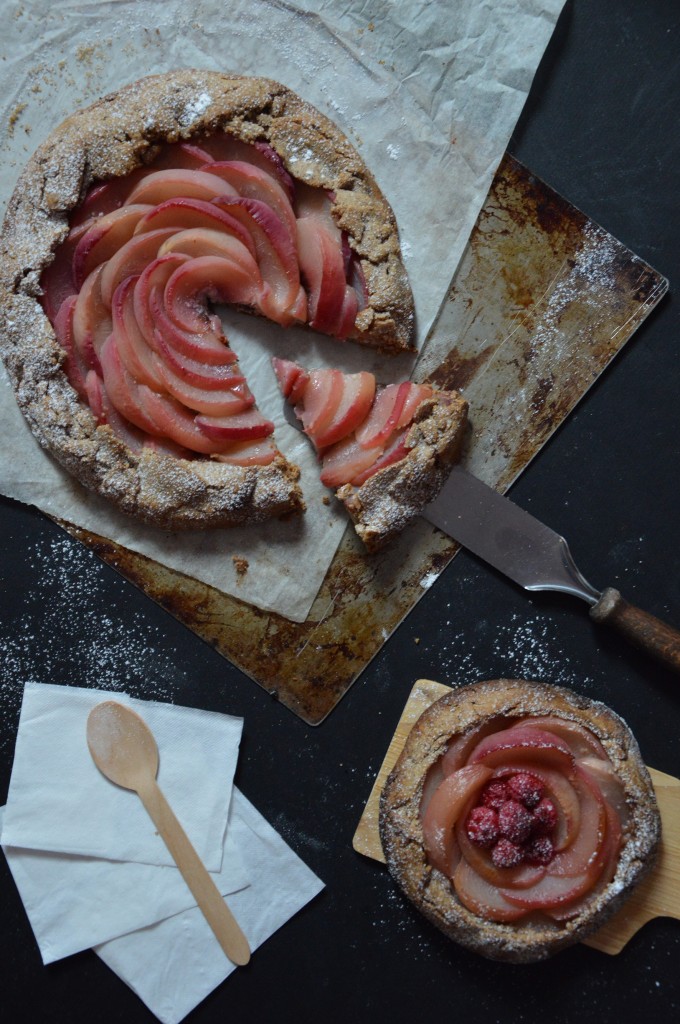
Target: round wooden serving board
(657, 896)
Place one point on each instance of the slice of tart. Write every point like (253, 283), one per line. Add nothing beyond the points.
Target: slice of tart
(518, 817)
(385, 451)
(131, 222)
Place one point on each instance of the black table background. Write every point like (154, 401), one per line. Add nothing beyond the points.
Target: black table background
(601, 126)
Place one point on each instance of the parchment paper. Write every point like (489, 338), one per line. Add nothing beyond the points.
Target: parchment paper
(428, 92)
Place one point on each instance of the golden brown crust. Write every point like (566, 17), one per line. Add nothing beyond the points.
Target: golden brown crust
(390, 499)
(528, 939)
(109, 139)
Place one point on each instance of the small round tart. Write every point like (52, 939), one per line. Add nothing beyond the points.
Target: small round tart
(518, 817)
(122, 225)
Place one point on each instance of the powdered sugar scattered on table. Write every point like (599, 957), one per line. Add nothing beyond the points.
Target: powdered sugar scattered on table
(103, 651)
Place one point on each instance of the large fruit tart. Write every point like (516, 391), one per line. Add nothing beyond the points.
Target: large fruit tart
(128, 224)
(518, 817)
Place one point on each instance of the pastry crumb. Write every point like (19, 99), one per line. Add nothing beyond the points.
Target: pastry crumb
(240, 564)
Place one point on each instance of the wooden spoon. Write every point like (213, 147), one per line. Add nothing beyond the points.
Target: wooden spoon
(124, 749)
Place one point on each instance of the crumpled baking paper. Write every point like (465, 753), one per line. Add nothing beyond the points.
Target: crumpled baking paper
(428, 92)
(137, 913)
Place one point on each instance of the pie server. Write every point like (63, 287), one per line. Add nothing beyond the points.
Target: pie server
(518, 545)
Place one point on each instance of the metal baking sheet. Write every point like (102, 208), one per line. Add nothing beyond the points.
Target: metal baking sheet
(542, 301)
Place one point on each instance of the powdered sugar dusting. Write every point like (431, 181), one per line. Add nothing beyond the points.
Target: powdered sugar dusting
(103, 651)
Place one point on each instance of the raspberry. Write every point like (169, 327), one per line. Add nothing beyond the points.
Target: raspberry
(539, 851)
(495, 794)
(482, 826)
(544, 816)
(525, 788)
(515, 822)
(506, 854)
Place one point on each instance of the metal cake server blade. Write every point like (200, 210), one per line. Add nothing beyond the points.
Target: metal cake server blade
(537, 558)
(531, 554)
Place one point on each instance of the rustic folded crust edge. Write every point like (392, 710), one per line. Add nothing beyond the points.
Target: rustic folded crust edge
(388, 501)
(401, 833)
(109, 139)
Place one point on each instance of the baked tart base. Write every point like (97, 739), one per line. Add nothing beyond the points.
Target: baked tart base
(465, 725)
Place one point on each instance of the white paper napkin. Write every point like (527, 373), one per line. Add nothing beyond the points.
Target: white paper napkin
(174, 963)
(191, 962)
(74, 902)
(59, 801)
(138, 912)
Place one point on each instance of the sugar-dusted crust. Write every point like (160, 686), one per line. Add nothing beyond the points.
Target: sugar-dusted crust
(109, 139)
(390, 499)
(526, 940)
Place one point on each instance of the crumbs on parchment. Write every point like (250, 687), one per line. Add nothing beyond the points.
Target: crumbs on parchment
(241, 565)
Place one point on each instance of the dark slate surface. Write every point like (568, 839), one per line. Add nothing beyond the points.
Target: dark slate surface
(601, 127)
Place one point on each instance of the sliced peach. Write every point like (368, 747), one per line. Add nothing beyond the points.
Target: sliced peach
(75, 366)
(245, 426)
(323, 273)
(177, 423)
(415, 396)
(127, 432)
(131, 260)
(206, 346)
(123, 390)
(103, 239)
(535, 745)
(482, 898)
(582, 741)
(106, 196)
(458, 749)
(292, 379)
(94, 389)
(210, 277)
(91, 319)
(344, 460)
(585, 852)
(226, 402)
(223, 147)
(260, 452)
(184, 214)
(154, 280)
(358, 391)
(384, 415)
(320, 401)
(551, 891)
(276, 251)
(199, 374)
(134, 352)
(159, 186)
(396, 450)
(186, 155)
(602, 773)
(443, 810)
(197, 242)
(610, 855)
(254, 183)
(520, 877)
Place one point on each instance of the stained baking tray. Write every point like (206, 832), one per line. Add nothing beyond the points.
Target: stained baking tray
(542, 301)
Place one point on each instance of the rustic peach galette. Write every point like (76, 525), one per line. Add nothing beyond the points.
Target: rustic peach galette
(384, 450)
(518, 817)
(137, 216)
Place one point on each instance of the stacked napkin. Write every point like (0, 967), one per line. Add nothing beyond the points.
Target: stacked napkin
(92, 872)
